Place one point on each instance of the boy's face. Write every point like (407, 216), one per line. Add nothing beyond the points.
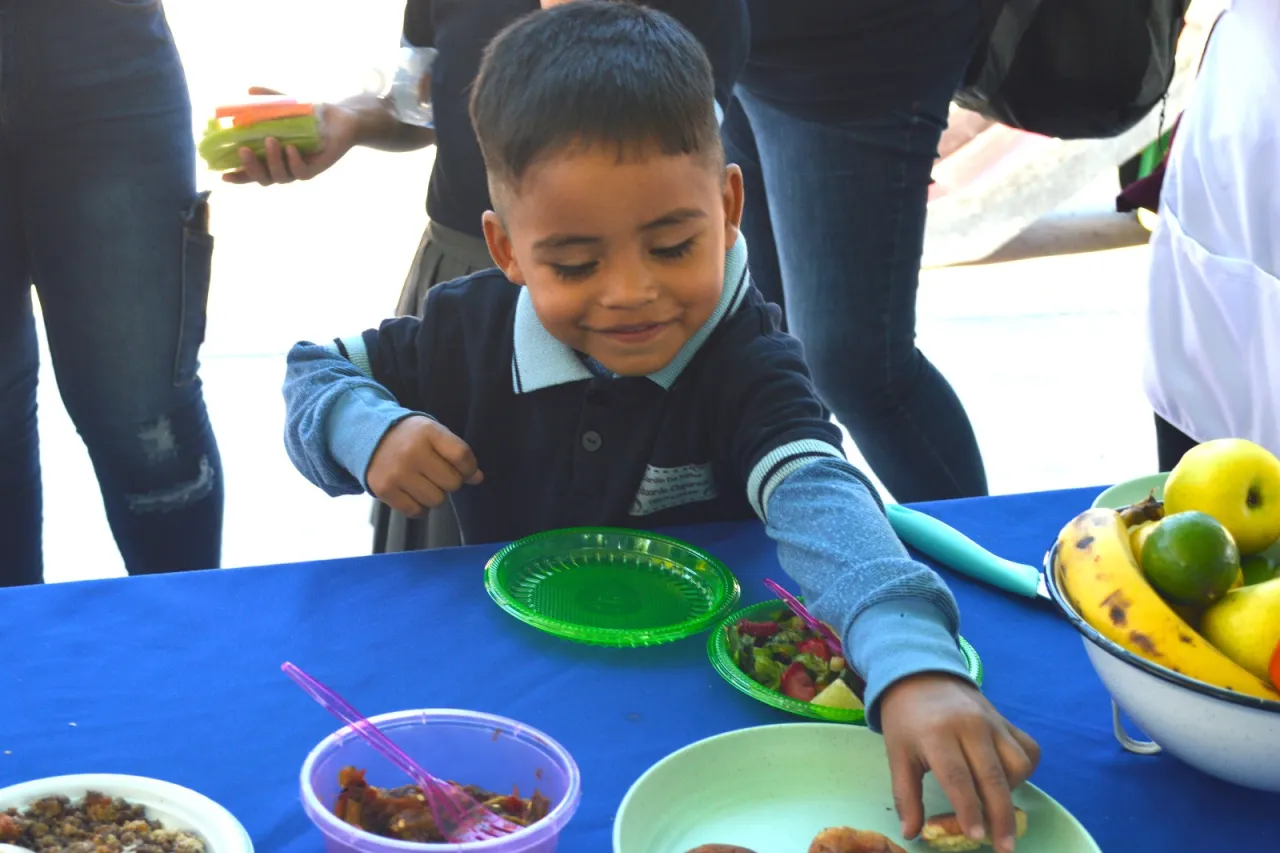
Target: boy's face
(623, 258)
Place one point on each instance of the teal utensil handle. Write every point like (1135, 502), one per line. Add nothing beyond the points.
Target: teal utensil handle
(951, 548)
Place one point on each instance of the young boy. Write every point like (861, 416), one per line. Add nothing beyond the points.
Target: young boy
(618, 368)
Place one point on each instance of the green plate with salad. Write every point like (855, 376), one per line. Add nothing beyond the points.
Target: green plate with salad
(768, 653)
(608, 586)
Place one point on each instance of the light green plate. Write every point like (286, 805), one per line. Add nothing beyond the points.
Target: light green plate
(1131, 492)
(724, 663)
(772, 789)
(609, 586)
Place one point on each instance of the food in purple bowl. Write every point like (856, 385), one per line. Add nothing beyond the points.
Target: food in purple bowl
(493, 754)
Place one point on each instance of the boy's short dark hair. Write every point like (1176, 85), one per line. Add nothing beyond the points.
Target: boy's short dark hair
(592, 72)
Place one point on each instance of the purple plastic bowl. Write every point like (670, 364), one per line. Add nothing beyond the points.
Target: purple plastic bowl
(468, 747)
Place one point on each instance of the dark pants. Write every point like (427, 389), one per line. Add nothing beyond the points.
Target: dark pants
(1171, 444)
(99, 211)
(837, 183)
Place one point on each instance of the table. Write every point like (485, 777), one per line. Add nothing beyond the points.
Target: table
(178, 677)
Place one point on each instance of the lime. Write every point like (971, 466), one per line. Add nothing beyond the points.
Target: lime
(1190, 558)
(1257, 569)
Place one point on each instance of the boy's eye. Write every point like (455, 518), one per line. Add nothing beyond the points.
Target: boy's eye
(671, 253)
(575, 271)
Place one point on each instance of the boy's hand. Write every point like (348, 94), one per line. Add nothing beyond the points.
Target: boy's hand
(939, 723)
(417, 463)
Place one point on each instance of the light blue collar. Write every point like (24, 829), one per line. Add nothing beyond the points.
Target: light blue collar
(539, 360)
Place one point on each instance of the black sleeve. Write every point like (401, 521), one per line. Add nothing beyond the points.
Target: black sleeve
(766, 414)
(724, 29)
(419, 27)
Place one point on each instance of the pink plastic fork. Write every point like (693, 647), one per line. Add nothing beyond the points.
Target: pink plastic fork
(458, 815)
(803, 612)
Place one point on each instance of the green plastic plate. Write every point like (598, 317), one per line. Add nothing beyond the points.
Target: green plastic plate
(609, 586)
(722, 660)
(772, 789)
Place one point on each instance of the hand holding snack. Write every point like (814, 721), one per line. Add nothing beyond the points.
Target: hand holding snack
(939, 723)
(417, 463)
(281, 161)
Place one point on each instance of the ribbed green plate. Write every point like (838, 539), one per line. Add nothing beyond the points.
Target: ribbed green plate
(722, 660)
(609, 586)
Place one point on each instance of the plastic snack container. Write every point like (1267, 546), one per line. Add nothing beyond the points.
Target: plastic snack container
(467, 747)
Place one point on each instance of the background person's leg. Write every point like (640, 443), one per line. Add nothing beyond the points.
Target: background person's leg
(847, 180)
(762, 253)
(120, 255)
(20, 496)
(1171, 444)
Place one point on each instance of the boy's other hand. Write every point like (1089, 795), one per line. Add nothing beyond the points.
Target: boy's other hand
(939, 723)
(286, 164)
(417, 463)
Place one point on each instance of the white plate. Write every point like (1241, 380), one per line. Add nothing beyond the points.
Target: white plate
(173, 805)
(772, 789)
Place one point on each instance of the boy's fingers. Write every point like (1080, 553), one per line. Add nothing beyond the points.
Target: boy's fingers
(951, 769)
(907, 772)
(458, 453)
(1030, 750)
(424, 491)
(402, 503)
(993, 785)
(1018, 765)
(441, 472)
(263, 90)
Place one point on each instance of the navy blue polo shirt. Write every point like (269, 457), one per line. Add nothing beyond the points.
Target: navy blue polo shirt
(460, 29)
(705, 439)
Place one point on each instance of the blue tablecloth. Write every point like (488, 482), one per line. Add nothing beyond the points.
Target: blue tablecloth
(178, 677)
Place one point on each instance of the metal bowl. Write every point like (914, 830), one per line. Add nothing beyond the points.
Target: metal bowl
(1228, 735)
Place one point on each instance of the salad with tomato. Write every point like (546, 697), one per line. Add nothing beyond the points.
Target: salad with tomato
(784, 654)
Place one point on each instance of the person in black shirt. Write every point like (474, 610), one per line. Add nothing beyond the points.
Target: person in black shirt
(457, 196)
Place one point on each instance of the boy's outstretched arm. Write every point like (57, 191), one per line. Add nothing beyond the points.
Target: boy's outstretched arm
(900, 628)
(897, 619)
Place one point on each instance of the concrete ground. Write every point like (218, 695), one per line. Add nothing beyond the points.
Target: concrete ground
(1043, 348)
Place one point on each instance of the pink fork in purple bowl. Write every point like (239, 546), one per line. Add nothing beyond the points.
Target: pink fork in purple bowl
(458, 815)
(833, 642)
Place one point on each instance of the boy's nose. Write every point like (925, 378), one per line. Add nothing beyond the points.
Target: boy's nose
(629, 288)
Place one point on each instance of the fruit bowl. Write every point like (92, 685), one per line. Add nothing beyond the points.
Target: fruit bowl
(1228, 735)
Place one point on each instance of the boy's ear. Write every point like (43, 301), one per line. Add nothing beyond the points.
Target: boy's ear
(495, 236)
(733, 200)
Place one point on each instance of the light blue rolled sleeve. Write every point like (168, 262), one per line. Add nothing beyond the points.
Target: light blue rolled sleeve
(894, 614)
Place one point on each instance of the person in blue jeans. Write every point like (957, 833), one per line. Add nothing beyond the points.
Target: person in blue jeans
(100, 213)
(836, 123)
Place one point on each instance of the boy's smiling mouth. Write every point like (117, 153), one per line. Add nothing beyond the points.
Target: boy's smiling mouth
(634, 333)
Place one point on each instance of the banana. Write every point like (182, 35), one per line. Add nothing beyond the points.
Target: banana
(1102, 580)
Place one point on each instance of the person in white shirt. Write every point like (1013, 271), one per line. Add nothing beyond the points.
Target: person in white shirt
(1212, 361)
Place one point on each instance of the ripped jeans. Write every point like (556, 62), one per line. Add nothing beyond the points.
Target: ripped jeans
(100, 214)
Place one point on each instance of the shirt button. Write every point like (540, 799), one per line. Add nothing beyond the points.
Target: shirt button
(591, 441)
